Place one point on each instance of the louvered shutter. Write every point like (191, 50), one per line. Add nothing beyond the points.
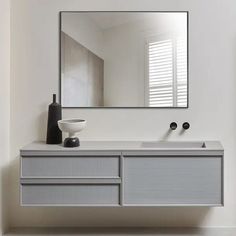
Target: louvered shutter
(167, 73)
(181, 54)
(160, 73)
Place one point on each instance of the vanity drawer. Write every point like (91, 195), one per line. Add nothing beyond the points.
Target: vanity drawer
(73, 194)
(76, 166)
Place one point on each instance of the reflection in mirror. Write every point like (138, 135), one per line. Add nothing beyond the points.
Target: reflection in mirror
(124, 59)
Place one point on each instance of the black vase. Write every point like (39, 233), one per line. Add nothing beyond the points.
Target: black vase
(54, 134)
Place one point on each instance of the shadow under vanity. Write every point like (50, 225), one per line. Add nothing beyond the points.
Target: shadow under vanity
(122, 173)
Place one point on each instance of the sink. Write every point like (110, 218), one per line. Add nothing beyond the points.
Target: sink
(171, 144)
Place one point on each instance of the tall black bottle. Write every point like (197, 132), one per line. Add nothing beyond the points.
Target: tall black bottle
(54, 134)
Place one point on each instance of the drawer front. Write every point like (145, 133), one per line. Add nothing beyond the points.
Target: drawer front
(70, 166)
(173, 181)
(70, 195)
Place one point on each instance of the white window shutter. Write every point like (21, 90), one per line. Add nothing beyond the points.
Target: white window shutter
(160, 73)
(181, 72)
(167, 73)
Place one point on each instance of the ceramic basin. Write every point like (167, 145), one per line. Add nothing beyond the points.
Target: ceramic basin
(71, 126)
(170, 144)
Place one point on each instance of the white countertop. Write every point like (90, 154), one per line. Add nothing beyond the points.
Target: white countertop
(124, 146)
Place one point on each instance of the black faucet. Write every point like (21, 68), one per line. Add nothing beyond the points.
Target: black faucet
(173, 125)
(186, 125)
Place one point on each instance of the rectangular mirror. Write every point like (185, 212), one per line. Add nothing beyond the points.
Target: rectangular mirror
(124, 59)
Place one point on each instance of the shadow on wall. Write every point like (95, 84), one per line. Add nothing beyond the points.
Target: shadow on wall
(168, 134)
(99, 216)
(4, 197)
(42, 122)
(111, 231)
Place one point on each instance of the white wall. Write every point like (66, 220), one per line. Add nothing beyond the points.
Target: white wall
(4, 107)
(212, 111)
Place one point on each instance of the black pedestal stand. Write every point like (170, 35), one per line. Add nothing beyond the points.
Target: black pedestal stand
(71, 142)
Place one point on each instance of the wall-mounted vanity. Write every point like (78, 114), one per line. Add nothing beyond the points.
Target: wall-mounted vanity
(122, 173)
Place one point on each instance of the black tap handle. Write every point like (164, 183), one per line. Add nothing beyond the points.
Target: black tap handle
(173, 125)
(186, 125)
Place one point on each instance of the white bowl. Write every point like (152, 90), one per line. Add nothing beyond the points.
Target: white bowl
(71, 126)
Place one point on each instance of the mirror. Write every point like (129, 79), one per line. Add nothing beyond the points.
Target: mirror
(124, 59)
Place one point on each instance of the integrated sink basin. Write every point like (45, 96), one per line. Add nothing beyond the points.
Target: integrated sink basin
(170, 144)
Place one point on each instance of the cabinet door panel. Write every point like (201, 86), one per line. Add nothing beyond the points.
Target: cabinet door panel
(173, 181)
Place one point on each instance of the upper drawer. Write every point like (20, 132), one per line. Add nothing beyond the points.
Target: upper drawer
(81, 166)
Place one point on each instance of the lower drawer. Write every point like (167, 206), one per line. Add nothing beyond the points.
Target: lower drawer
(60, 195)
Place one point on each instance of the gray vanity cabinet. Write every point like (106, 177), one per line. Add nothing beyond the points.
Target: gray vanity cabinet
(97, 174)
(156, 180)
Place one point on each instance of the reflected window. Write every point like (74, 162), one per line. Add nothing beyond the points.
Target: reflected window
(167, 71)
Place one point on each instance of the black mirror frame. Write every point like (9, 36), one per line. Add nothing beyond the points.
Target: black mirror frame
(60, 26)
